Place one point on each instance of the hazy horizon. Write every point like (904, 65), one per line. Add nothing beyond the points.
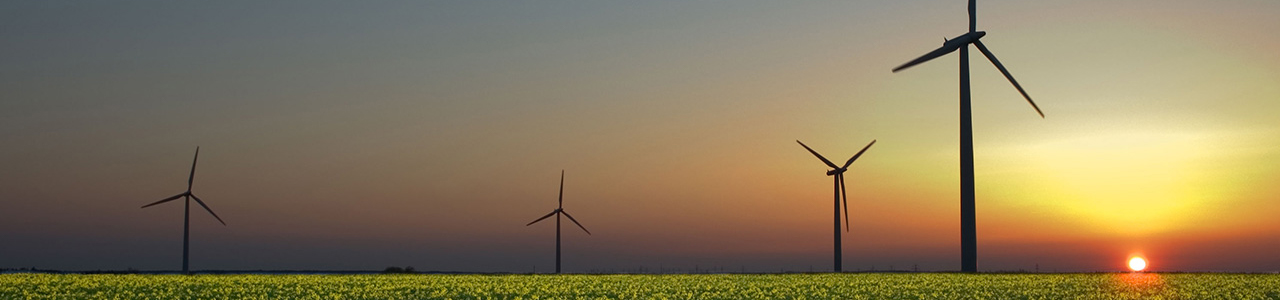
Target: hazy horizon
(356, 136)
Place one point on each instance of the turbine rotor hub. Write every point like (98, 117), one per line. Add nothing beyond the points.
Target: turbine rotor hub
(964, 39)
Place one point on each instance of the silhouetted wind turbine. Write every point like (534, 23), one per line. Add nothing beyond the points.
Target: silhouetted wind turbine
(186, 211)
(557, 212)
(838, 172)
(968, 231)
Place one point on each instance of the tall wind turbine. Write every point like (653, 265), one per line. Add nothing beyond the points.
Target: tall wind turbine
(557, 212)
(968, 231)
(838, 172)
(186, 212)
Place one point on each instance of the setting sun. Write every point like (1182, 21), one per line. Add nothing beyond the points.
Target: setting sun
(1137, 264)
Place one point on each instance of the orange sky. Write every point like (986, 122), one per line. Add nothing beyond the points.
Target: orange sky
(339, 136)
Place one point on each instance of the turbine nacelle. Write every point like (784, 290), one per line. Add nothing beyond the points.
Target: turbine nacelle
(948, 46)
(837, 171)
(964, 39)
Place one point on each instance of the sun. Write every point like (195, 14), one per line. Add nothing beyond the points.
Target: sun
(1137, 264)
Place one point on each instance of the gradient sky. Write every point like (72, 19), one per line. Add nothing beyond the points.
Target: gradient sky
(360, 135)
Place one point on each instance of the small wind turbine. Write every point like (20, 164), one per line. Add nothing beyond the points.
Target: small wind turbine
(838, 172)
(968, 229)
(557, 212)
(186, 211)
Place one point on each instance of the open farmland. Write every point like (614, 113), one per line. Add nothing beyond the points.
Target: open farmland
(709, 286)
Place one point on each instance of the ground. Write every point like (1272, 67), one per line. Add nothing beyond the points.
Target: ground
(699, 286)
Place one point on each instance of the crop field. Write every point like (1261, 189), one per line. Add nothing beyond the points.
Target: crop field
(703, 286)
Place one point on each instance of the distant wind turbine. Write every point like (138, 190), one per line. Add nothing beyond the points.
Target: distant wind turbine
(968, 231)
(186, 211)
(557, 212)
(838, 172)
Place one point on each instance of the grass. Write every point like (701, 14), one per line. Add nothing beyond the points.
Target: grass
(702, 286)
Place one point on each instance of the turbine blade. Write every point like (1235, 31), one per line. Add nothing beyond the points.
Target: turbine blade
(855, 156)
(165, 200)
(973, 17)
(947, 47)
(846, 202)
(815, 153)
(206, 208)
(191, 179)
(575, 221)
(992, 58)
(561, 203)
(543, 217)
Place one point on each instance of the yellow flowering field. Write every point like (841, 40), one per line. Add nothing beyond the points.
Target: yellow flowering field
(700, 286)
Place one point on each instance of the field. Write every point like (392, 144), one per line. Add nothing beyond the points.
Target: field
(708, 286)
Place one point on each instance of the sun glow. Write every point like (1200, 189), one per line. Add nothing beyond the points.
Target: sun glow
(1137, 264)
(1127, 182)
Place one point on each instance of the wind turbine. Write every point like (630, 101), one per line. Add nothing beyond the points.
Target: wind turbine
(557, 212)
(186, 211)
(838, 172)
(968, 231)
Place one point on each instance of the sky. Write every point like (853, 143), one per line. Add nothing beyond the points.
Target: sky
(339, 135)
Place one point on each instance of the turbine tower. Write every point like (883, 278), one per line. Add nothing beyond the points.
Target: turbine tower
(557, 212)
(838, 172)
(968, 231)
(186, 212)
